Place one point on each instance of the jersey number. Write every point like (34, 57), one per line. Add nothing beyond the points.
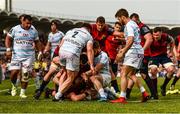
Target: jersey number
(75, 33)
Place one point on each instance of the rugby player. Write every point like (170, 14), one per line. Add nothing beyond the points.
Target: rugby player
(22, 37)
(132, 54)
(146, 40)
(70, 49)
(100, 31)
(159, 56)
(54, 37)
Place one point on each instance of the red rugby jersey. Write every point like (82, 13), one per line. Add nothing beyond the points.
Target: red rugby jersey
(159, 47)
(111, 47)
(101, 36)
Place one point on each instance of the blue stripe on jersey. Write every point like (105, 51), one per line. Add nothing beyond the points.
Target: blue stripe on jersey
(23, 50)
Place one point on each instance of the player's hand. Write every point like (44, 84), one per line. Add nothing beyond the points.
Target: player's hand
(119, 56)
(92, 69)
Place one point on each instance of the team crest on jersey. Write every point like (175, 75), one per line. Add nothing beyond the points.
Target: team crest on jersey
(25, 35)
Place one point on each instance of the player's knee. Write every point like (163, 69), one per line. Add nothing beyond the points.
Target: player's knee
(171, 69)
(154, 70)
(55, 80)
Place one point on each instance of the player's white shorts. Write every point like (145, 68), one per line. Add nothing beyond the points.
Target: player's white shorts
(69, 60)
(133, 60)
(17, 64)
(106, 79)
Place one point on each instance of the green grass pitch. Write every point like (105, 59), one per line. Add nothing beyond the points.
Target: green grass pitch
(9, 104)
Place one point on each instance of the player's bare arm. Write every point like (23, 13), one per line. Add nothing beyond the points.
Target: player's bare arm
(123, 51)
(149, 40)
(90, 54)
(8, 43)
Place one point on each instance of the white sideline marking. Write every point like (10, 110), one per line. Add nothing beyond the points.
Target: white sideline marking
(18, 88)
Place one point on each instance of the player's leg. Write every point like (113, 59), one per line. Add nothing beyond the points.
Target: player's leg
(176, 78)
(63, 87)
(170, 68)
(124, 82)
(45, 81)
(145, 95)
(145, 75)
(59, 78)
(15, 69)
(129, 88)
(53, 68)
(113, 71)
(170, 72)
(71, 63)
(26, 70)
(97, 81)
(153, 66)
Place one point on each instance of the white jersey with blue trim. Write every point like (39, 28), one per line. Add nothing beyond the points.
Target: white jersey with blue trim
(103, 59)
(75, 40)
(132, 29)
(23, 41)
(54, 39)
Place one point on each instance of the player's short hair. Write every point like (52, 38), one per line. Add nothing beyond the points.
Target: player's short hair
(21, 16)
(122, 12)
(96, 45)
(100, 19)
(54, 22)
(157, 29)
(27, 17)
(134, 15)
(87, 25)
(118, 23)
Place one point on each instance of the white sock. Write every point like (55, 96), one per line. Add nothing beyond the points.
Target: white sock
(23, 91)
(123, 94)
(102, 93)
(142, 89)
(58, 95)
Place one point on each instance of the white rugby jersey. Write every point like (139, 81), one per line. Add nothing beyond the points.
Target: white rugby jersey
(132, 29)
(54, 39)
(75, 40)
(103, 59)
(23, 41)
